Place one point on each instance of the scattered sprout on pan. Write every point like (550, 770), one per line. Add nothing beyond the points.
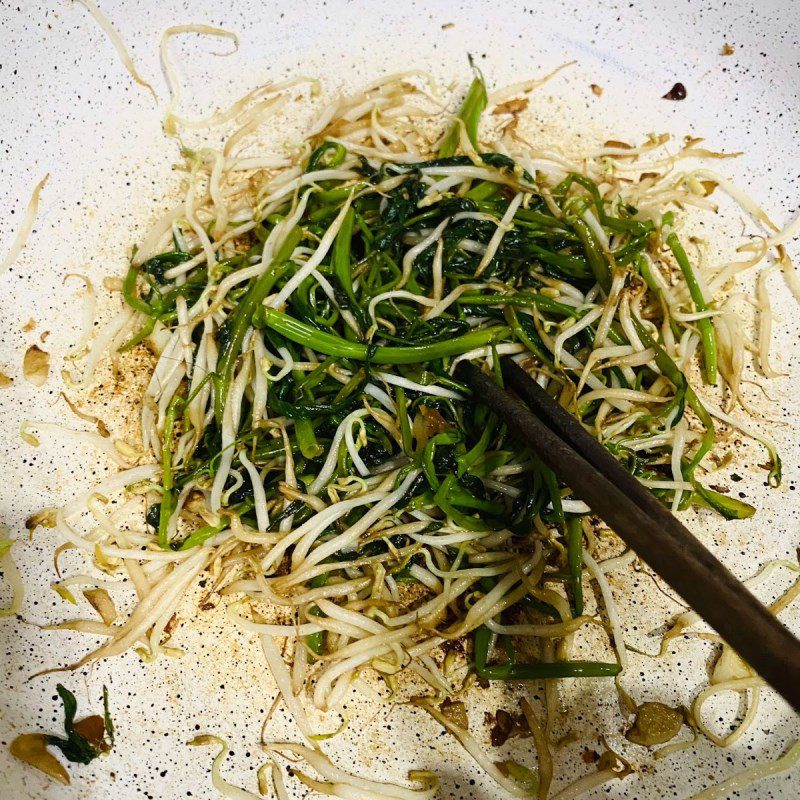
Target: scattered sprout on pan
(85, 740)
(308, 438)
(25, 228)
(122, 51)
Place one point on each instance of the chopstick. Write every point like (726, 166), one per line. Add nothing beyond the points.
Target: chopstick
(644, 524)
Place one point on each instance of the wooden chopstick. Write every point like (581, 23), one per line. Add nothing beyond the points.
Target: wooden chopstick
(644, 524)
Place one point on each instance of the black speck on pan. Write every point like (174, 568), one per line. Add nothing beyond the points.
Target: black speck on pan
(677, 92)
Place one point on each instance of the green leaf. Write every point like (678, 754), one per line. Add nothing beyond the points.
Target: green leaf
(470, 114)
(75, 747)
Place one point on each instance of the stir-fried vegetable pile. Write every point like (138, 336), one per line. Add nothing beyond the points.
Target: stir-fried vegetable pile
(307, 316)
(349, 306)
